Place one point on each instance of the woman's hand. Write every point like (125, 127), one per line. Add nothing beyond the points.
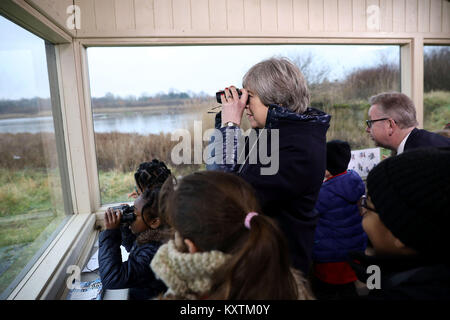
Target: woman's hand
(134, 195)
(233, 106)
(112, 219)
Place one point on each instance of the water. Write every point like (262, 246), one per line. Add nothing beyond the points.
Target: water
(137, 122)
(31, 125)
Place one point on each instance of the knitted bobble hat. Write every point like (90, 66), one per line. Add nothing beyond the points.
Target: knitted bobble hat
(411, 194)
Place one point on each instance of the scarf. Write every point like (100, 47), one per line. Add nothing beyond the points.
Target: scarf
(154, 235)
(187, 275)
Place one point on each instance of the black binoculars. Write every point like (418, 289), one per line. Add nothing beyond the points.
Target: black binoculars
(220, 93)
(127, 212)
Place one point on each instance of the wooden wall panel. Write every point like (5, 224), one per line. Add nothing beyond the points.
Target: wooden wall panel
(359, 15)
(269, 16)
(330, 15)
(88, 20)
(316, 15)
(124, 10)
(398, 16)
(55, 10)
(105, 19)
(218, 15)
(285, 16)
(411, 15)
(181, 15)
(436, 15)
(144, 15)
(163, 15)
(345, 14)
(321, 18)
(423, 16)
(301, 15)
(446, 17)
(252, 15)
(386, 13)
(373, 15)
(235, 15)
(200, 15)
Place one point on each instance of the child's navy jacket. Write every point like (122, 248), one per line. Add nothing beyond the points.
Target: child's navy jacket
(339, 229)
(135, 273)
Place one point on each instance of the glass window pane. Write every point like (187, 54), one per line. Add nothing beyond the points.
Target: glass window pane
(32, 208)
(141, 95)
(436, 98)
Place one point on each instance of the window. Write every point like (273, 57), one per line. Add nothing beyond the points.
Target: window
(33, 195)
(141, 95)
(436, 100)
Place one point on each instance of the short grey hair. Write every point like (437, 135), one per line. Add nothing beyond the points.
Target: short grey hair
(278, 81)
(398, 106)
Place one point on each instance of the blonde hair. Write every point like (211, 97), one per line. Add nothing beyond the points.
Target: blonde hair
(278, 81)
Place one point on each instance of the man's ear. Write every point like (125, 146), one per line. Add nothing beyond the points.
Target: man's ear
(191, 246)
(391, 127)
(155, 223)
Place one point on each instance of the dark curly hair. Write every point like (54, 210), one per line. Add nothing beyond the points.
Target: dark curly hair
(151, 174)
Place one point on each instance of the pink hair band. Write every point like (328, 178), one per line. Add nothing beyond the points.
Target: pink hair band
(249, 217)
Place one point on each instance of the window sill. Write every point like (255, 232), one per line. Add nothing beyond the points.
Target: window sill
(48, 275)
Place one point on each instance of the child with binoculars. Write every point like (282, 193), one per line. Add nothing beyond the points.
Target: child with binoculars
(141, 231)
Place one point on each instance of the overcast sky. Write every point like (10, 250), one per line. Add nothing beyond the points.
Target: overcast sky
(148, 70)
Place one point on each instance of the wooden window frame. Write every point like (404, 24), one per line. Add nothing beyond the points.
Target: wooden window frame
(47, 277)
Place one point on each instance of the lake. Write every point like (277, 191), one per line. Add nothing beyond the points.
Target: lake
(136, 122)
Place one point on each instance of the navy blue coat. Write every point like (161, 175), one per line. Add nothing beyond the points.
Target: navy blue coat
(339, 230)
(135, 273)
(419, 138)
(289, 195)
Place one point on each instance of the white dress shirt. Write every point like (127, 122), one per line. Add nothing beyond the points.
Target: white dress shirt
(401, 147)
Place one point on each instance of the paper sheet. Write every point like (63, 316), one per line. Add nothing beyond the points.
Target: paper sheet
(92, 264)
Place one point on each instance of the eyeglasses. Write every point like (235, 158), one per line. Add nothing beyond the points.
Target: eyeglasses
(370, 122)
(363, 207)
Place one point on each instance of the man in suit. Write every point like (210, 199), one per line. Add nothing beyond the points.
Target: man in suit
(392, 124)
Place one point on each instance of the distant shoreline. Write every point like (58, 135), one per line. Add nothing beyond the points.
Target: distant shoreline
(146, 109)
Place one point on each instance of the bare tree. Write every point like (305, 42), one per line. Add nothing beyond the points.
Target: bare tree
(437, 69)
(314, 71)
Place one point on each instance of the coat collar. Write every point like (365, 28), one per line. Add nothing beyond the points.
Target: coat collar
(278, 114)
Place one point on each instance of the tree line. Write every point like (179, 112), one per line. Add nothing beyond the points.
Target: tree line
(36, 105)
(356, 86)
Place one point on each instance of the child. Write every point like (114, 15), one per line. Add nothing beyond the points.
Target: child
(149, 174)
(406, 216)
(141, 238)
(339, 228)
(224, 247)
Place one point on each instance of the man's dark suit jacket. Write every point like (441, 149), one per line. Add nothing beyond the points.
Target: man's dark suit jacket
(420, 138)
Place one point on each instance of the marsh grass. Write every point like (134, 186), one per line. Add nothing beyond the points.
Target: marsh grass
(436, 110)
(29, 190)
(18, 249)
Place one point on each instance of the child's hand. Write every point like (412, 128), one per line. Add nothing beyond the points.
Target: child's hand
(112, 219)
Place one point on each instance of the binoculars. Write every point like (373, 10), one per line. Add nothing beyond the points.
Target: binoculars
(127, 212)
